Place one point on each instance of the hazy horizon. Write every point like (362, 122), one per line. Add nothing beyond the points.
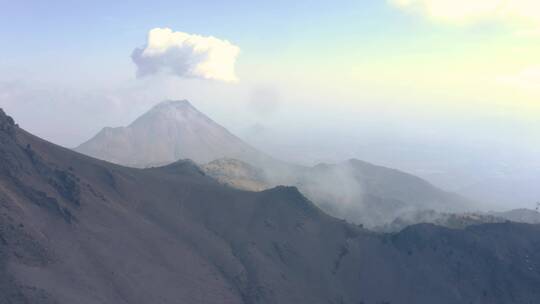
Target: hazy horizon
(241, 152)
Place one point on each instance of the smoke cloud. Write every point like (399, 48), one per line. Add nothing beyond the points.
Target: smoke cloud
(186, 56)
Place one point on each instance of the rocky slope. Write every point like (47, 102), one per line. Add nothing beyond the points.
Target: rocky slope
(238, 174)
(354, 190)
(74, 229)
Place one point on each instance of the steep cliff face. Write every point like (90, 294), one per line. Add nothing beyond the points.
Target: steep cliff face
(74, 229)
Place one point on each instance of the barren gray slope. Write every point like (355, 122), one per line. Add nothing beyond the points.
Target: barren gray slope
(78, 230)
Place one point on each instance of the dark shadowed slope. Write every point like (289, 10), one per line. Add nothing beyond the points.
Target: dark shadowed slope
(78, 230)
(170, 131)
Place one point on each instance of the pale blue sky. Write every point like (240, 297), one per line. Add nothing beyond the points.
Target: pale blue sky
(101, 34)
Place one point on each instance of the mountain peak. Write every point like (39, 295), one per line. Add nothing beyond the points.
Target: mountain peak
(5, 119)
(171, 130)
(6, 122)
(173, 104)
(172, 111)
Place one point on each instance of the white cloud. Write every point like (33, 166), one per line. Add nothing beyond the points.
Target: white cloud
(521, 13)
(186, 55)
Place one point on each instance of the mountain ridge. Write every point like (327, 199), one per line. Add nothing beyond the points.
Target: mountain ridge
(74, 229)
(355, 190)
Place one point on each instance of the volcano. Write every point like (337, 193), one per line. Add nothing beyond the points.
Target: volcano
(170, 131)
